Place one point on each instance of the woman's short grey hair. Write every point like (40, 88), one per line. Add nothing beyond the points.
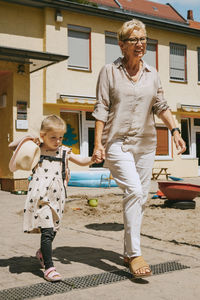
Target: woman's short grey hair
(127, 28)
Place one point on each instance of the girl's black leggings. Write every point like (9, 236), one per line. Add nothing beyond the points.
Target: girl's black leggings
(47, 237)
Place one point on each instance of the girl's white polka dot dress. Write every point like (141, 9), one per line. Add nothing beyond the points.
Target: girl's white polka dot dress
(45, 201)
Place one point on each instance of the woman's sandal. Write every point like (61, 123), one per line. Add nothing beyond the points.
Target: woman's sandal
(136, 264)
(51, 275)
(40, 258)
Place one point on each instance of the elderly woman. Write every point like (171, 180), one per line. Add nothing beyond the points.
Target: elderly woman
(129, 93)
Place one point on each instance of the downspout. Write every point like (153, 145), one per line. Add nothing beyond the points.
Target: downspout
(119, 4)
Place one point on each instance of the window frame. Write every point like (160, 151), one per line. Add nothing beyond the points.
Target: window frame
(183, 46)
(80, 29)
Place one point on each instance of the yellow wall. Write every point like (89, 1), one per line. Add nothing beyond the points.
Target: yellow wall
(37, 88)
(21, 26)
(69, 80)
(179, 167)
(75, 82)
(184, 93)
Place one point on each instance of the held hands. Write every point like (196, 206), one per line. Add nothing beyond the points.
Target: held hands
(179, 142)
(98, 154)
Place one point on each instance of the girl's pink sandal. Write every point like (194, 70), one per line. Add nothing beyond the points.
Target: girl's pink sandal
(40, 258)
(51, 275)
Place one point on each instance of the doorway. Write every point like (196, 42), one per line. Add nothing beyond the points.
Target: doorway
(91, 146)
(6, 120)
(198, 150)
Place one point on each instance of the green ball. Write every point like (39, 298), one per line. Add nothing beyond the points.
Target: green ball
(93, 202)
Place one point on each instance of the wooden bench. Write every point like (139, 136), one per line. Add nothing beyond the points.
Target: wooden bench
(157, 172)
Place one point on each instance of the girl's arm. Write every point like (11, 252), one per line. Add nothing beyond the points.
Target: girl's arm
(81, 161)
(99, 151)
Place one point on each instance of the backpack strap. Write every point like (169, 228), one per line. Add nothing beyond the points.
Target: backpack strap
(63, 164)
(50, 158)
(63, 171)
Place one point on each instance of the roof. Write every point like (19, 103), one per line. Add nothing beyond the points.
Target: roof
(162, 11)
(194, 24)
(162, 16)
(36, 59)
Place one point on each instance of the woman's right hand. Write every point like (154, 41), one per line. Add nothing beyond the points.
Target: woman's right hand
(98, 153)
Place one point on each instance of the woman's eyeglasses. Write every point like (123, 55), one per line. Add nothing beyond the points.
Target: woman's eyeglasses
(135, 40)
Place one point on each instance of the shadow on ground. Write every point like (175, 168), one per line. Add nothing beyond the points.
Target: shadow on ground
(95, 257)
(105, 226)
(22, 264)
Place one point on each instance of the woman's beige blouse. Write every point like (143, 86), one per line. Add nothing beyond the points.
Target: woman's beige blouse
(128, 107)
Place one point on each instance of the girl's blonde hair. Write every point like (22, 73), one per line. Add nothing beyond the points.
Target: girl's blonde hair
(127, 28)
(52, 122)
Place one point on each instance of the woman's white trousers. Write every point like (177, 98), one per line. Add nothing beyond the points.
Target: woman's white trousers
(132, 172)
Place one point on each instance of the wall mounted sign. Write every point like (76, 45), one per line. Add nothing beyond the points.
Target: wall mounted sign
(21, 110)
(21, 122)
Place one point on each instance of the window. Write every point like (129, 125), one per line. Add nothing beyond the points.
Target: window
(185, 133)
(112, 48)
(79, 49)
(150, 56)
(89, 117)
(198, 51)
(178, 62)
(162, 141)
(196, 122)
(72, 136)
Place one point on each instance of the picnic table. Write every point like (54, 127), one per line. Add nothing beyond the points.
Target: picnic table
(157, 172)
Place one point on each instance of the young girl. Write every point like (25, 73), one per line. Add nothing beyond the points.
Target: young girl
(47, 190)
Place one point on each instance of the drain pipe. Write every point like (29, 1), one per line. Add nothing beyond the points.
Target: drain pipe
(119, 4)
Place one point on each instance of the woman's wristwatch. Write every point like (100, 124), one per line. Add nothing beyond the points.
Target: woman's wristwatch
(175, 129)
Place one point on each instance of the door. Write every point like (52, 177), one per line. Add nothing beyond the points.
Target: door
(6, 121)
(198, 149)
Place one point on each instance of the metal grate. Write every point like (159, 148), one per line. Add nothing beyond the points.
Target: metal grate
(66, 285)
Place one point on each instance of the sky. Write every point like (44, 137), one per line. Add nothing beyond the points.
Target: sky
(182, 6)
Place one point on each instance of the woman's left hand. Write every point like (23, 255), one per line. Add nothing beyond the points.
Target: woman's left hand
(179, 142)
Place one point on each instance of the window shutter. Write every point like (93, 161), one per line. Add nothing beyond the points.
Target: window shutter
(177, 62)
(162, 141)
(150, 55)
(112, 48)
(78, 49)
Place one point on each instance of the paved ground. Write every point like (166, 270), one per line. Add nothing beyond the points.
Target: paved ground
(80, 251)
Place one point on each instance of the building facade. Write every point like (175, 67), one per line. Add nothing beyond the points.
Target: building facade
(50, 57)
